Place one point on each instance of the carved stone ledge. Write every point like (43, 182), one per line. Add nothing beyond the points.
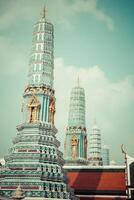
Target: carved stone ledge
(30, 90)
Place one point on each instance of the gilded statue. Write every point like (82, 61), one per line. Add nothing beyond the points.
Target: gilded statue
(51, 110)
(74, 147)
(18, 194)
(34, 108)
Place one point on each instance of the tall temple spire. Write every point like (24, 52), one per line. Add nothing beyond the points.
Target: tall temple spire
(40, 75)
(95, 156)
(34, 161)
(76, 137)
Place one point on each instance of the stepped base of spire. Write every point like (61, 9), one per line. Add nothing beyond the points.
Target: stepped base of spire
(95, 161)
(77, 162)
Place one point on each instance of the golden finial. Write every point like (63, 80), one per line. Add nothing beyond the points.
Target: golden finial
(44, 12)
(122, 149)
(95, 126)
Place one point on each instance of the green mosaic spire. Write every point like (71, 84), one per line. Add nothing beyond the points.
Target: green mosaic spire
(76, 138)
(34, 161)
(77, 108)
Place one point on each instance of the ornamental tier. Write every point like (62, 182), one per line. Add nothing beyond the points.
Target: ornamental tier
(42, 58)
(77, 108)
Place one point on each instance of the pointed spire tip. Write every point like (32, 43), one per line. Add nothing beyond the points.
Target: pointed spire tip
(78, 81)
(44, 12)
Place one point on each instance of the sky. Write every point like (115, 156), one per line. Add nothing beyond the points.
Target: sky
(93, 39)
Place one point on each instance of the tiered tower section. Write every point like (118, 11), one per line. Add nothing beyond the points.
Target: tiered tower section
(95, 157)
(76, 137)
(105, 155)
(42, 55)
(34, 161)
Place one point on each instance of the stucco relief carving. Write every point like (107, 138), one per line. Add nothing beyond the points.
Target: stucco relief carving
(42, 90)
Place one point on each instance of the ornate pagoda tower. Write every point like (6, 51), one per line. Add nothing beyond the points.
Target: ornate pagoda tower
(75, 151)
(95, 154)
(34, 161)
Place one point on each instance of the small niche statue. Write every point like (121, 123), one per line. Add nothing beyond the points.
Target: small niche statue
(51, 110)
(74, 147)
(34, 108)
(18, 194)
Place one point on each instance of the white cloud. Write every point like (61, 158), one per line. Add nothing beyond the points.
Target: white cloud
(60, 11)
(12, 59)
(107, 101)
(91, 7)
(16, 10)
(68, 10)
